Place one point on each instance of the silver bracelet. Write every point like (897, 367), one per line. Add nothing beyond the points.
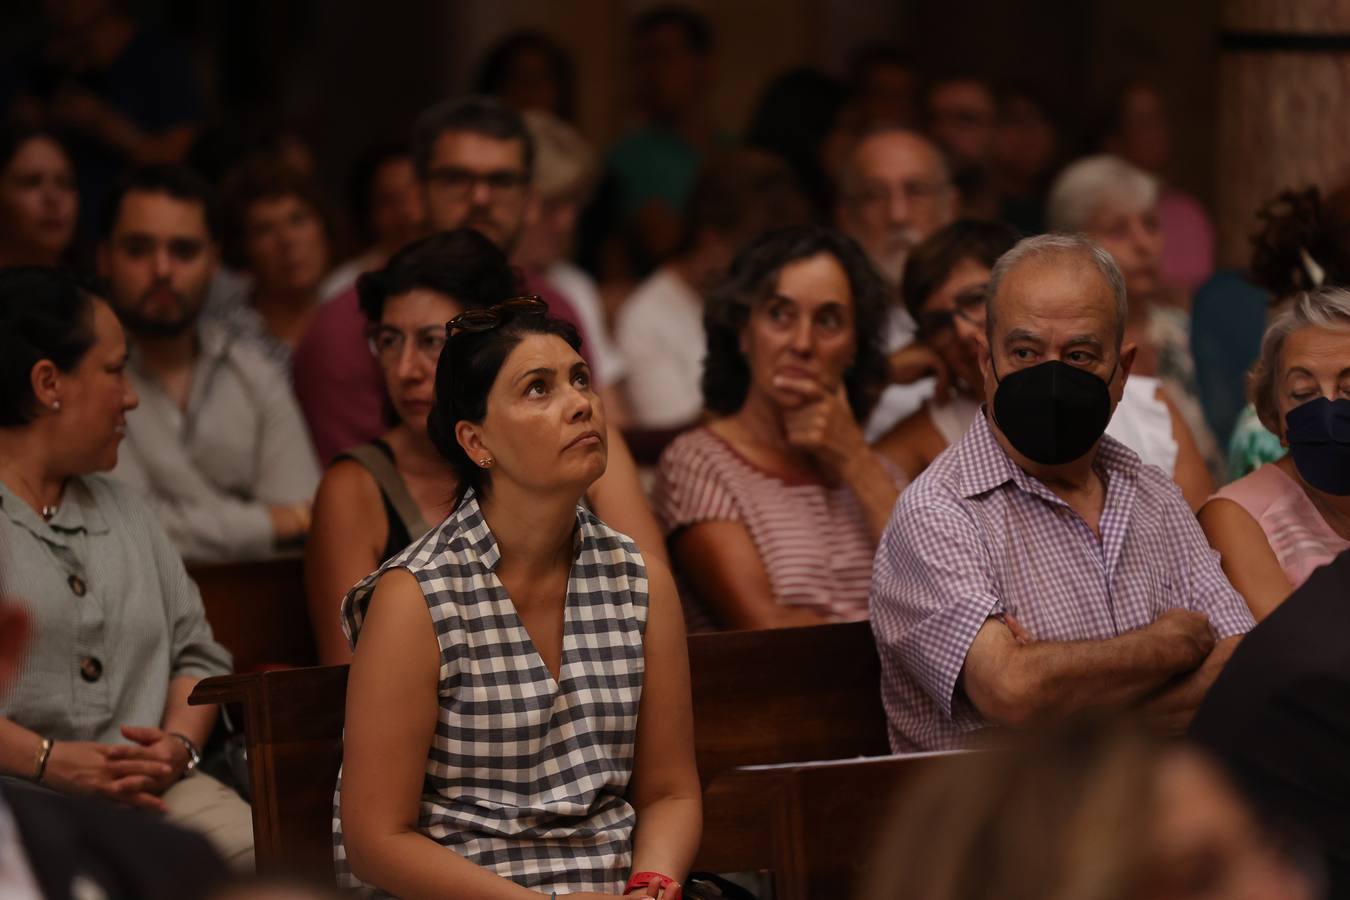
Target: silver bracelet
(194, 757)
(44, 753)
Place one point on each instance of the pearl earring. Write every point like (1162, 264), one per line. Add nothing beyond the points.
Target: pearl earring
(56, 406)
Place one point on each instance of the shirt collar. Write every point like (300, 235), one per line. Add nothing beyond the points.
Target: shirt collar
(213, 342)
(985, 465)
(477, 538)
(77, 512)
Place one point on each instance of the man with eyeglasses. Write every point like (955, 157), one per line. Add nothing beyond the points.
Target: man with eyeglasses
(217, 444)
(475, 159)
(894, 191)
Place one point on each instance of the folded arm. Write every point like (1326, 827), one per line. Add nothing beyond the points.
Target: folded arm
(1016, 684)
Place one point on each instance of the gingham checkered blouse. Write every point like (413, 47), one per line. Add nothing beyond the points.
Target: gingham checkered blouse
(526, 777)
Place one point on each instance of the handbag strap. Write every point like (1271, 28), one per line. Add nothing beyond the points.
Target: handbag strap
(382, 469)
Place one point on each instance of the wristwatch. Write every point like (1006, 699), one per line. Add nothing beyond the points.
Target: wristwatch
(194, 757)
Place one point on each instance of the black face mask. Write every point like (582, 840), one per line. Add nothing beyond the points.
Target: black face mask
(1319, 440)
(1052, 413)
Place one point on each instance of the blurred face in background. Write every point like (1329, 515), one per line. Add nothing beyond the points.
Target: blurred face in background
(549, 236)
(961, 118)
(480, 182)
(158, 261)
(671, 76)
(895, 193)
(397, 213)
(888, 95)
(407, 342)
(952, 322)
(1143, 136)
(1130, 233)
(1206, 845)
(38, 203)
(285, 244)
(1025, 143)
(530, 82)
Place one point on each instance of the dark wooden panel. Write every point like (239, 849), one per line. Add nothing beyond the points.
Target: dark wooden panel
(788, 695)
(759, 697)
(257, 610)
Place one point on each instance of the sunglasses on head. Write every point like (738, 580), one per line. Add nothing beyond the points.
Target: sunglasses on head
(475, 321)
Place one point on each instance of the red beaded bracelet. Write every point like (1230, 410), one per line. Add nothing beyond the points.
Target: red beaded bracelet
(663, 882)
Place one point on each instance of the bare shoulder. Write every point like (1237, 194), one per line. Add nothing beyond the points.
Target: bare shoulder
(1226, 515)
(349, 487)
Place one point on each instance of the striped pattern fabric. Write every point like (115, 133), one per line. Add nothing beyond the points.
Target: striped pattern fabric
(812, 539)
(526, 776)
(976, 537)
(1296, 531)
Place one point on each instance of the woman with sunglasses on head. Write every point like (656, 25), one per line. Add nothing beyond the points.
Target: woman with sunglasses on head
(378, 498)
(944, 290)
(518, 717)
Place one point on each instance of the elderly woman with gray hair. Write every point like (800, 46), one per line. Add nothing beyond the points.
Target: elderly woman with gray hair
(1116, 204)
(1278, 524)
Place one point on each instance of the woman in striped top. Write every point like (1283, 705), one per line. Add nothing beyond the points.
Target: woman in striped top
(775, 507)
(518, 713)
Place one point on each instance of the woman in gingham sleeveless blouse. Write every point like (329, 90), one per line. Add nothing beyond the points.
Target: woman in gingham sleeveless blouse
(516, 755)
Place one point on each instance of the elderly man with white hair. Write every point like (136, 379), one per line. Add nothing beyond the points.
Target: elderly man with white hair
(1037, 569)
(1116, 205)
(894, 191)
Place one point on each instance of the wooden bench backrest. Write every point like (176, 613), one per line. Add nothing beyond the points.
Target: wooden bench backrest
(814, 826)
(789, 695)
(257, 611)
(293, 719)
(759, 697)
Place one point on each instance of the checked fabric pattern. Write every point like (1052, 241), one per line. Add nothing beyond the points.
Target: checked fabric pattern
(526, 777)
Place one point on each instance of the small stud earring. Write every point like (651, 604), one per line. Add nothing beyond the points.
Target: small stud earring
(486, 463)
(56, 406)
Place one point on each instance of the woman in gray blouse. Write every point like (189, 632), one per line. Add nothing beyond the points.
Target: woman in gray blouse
(99, 705)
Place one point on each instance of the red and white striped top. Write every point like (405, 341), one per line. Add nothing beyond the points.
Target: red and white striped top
(811, 538)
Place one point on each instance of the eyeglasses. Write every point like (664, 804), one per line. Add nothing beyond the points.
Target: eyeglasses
(460, 183)
(877, 195)
(971, 305)
(475, 321)
(386, 344)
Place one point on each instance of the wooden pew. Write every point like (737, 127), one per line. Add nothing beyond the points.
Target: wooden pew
(814, 825)
(293, 726)
(788, 695)
(759, 697)
(257, 611)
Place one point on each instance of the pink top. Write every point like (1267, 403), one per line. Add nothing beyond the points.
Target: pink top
(1188, 240)
(1301, 538)
(339, 383)
(812, 539)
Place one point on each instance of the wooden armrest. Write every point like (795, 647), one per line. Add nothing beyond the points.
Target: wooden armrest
(225, 689)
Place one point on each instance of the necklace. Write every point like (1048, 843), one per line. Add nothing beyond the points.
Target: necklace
(48, 512)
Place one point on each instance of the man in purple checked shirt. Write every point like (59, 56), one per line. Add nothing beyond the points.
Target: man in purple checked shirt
(1038, 568)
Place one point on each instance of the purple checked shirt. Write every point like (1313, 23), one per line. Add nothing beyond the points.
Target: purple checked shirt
(975, 537)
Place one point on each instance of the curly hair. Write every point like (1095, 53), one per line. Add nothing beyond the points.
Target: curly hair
(1303, 242)
(752, 277)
